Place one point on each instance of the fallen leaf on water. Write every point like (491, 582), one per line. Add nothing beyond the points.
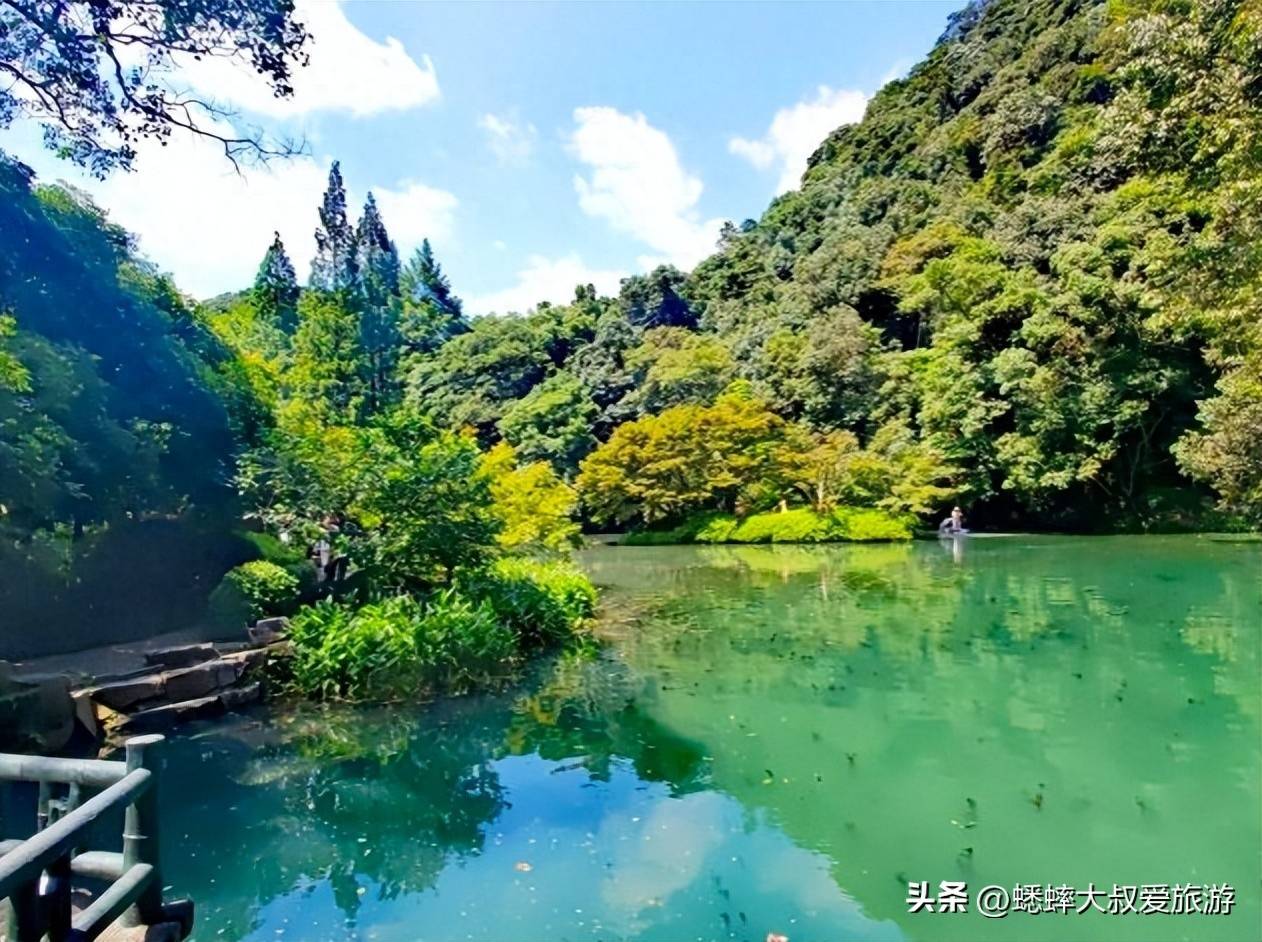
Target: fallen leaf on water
(522, 866)
(776, 937)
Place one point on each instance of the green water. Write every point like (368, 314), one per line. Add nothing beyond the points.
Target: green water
(775, 740)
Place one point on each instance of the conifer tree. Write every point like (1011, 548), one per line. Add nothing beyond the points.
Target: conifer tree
(275, 291)
(432, 314)
(376, 257)
(377, 261)
(329, 362)
(334, 267)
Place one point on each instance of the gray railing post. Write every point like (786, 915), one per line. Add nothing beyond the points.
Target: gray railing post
(56, 899)
(140, 832)
(25, 924)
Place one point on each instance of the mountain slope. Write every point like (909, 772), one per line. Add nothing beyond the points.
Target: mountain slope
(1050, 223)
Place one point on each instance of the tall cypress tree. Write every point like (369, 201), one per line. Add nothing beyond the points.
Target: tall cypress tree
(423, 280)
(334, 267)
(376, 257)
(275, 291)
(377, 261)
(329, 368)
(432, 314)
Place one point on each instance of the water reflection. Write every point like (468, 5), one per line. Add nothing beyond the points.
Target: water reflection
(775, 739)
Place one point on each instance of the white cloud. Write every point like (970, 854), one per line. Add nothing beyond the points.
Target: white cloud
(347, 72)
(211, 234)
(510, 139)
(638, 185)
(796, 131)
(413, 211)
(544, 279)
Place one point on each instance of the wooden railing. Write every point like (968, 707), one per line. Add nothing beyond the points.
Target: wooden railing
(36, 874)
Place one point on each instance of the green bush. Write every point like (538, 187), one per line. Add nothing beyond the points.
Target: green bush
(798, 525)
(252, 591)
(396, 648)
(859, 524)
(542, 602)
(699, 528)
(801, 525)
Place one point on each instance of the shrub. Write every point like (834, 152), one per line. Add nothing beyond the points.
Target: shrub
(699, 528)
(251, 591)
(859, 524)
(397, 648)
(798, 525)
(542, 602)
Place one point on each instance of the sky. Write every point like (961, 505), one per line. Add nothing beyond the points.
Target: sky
(537, 145)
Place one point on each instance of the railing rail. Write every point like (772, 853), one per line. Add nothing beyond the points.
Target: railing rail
(36, 874)
(32, 857)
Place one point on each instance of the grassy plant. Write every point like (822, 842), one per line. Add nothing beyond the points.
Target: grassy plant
(397, 648)
(543, 602)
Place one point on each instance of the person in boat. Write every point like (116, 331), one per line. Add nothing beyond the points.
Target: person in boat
(953, 524)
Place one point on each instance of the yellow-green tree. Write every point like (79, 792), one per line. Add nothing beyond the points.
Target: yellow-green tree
(534, 506)
(688, 458)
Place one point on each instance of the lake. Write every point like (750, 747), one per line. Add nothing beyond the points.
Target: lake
(775, 739)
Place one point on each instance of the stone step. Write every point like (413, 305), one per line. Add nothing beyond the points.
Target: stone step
(181, 655)
(180, 684)
(200, 680)
(122, 695)
(168, 715)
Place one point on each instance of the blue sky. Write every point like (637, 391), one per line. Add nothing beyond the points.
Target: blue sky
(536, 144)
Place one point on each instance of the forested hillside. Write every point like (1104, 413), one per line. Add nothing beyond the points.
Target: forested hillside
(1027, 281)
(1027, 278)
(166, 465)
(120, 415)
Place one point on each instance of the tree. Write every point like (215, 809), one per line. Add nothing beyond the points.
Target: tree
(334, 267)
(601, 368)
(895, 472)
(720, 457)
(329, 362)
(1226, 450)
(423, 280)
(676, 366)
(425, 508)
(474, 378)
(14, 377)
(410, 502)
(275, 292)
(553, 423)
(377, 261)
(432, 314)
(654, 300)
(97, 76)
(376, 257)
(534, 506)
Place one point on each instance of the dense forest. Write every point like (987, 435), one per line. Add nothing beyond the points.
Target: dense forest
(1026, 282)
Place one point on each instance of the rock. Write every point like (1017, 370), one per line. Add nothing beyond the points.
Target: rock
(85, 712)
(183, 655)
(36, 712)
(268, 630)
(200, 680)
(247, 661)
(241, 696)
(125, 694)
(172, 714)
